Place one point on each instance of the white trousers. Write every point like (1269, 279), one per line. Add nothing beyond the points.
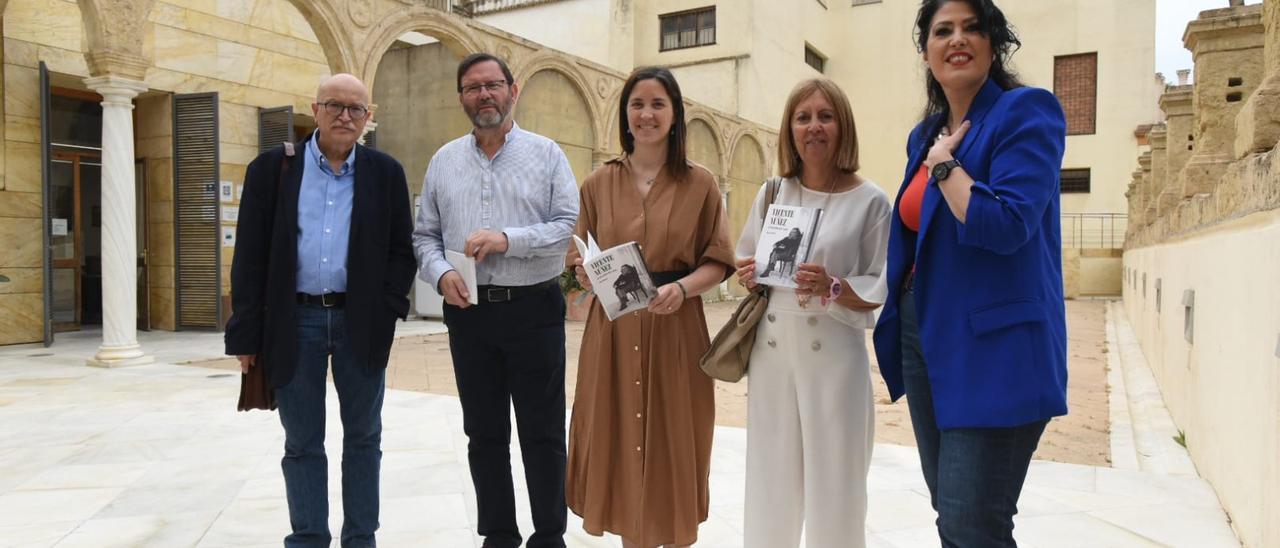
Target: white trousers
(810, 429)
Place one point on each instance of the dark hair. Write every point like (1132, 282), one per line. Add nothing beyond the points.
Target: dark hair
(676, 157)
(992, 25)
(477, 58)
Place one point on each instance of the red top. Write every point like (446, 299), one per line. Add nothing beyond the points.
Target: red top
(913, 199)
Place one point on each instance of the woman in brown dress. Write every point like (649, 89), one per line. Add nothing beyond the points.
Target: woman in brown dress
(643, 412)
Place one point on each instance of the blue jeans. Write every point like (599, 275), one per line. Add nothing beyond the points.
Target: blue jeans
(321, 337)
(975, 475)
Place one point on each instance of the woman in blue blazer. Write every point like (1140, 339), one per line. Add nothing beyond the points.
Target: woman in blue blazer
(974, 329)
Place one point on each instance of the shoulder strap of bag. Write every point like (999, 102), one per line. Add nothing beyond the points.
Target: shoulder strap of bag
(772, 186)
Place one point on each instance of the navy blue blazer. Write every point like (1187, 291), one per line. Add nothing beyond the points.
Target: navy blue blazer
(988, 291)
(380, 262)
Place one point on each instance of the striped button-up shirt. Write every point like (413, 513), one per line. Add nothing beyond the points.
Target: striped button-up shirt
(324, 221)
(527, 191)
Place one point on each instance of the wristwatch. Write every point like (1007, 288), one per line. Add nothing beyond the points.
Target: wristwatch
(834, 291)
(942, 170)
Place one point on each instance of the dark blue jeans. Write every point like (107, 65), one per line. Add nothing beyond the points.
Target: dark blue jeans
(321, 338)
(507, 353)
(974, 475)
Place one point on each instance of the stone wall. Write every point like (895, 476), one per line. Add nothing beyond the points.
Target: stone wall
(1202, 260)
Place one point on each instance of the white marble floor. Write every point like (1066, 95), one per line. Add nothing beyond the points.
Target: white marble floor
(157, 456)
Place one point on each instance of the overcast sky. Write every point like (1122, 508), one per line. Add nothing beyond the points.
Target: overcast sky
(1172, 17)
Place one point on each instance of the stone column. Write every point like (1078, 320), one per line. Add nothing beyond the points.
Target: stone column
(119, 219)
(1169, 194)
(598, 158)
(1179, 128)
(1226, 45)
(1149, 189)
(1136, 209)
(1258, 124)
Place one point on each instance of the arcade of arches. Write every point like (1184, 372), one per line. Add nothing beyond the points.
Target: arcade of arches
(178, 96)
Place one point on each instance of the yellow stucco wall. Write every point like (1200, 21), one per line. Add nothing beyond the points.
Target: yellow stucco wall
(759, 53)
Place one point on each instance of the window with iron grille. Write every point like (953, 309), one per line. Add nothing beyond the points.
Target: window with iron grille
(814, 59)
(1075, 181)
(1075, 82)
(688, 29)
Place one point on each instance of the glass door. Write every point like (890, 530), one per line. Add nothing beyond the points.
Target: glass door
(75, 180)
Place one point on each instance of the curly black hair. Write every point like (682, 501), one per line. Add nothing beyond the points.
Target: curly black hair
(991, 24)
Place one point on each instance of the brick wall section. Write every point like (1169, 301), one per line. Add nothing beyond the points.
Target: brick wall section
(1075, 82)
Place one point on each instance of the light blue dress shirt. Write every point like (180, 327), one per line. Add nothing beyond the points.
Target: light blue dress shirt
(527, 191)
(324, 221)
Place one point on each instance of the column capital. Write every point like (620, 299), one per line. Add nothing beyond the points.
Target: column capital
(369, 127)
(109, 62)
(116, 90)
(1158, 137)
(1177, 101)
(1224, 29)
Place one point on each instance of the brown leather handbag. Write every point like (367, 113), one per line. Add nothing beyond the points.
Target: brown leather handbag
(255, 388)
(727, 357)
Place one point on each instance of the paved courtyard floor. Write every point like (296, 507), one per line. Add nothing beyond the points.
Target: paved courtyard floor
(156, 455)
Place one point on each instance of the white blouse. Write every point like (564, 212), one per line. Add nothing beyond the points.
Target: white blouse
(852, 241)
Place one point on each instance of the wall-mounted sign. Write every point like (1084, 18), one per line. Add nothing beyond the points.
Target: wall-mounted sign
(226, 192)
(58, 227)
(230, 214)
(228, 236)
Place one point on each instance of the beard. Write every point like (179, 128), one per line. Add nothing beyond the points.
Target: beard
(489, 118)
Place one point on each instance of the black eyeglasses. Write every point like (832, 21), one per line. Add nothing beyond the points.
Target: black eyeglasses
(493, 87)
(357, 112)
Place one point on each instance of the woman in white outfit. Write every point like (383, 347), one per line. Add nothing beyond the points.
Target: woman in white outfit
(810, 416)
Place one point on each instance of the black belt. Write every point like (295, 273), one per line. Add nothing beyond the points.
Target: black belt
(504, 293)
(663, 278)
(328, 300)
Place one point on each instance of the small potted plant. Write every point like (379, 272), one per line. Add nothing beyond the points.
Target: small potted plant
(577, 299)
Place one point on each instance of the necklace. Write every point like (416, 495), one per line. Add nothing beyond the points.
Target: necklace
(803, 300)
(650, 181)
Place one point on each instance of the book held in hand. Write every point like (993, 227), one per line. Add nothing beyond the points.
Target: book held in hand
(618, 276)
(784, 243)
(466, 267)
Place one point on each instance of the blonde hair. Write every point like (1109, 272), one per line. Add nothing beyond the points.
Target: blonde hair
(789, 162)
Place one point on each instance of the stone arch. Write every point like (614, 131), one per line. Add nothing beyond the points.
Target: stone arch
(747, 171)
(330, 29)
(458, 38)
(542, 61)
(703, 143)
(552, 104)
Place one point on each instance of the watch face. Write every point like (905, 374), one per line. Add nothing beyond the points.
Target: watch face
(941, 171)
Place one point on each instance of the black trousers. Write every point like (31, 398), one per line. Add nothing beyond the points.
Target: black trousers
(504, 353)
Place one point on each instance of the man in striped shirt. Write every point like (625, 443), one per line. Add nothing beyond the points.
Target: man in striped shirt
(506, 197)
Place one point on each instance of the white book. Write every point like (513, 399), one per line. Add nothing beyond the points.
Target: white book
(784, 243)
(466, 267)
(619, 278)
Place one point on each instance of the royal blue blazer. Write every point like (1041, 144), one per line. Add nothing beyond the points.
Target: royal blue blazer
(988, 291)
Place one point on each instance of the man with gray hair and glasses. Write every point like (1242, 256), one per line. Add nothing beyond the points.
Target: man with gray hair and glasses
(506, 197)
(322, 269)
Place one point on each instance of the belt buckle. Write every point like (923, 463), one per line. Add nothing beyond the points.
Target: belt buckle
(497, 294)
(324, 300)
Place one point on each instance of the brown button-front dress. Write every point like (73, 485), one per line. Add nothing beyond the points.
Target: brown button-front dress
(643, 413)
